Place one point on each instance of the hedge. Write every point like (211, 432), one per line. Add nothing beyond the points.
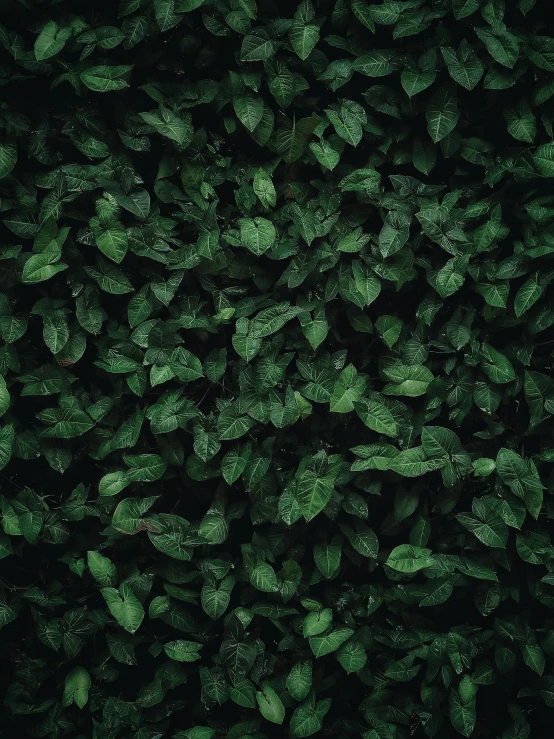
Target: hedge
(276, 389)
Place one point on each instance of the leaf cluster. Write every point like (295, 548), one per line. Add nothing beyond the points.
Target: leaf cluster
(276, 354)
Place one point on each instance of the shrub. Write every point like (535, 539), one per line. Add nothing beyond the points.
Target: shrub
(276, 351)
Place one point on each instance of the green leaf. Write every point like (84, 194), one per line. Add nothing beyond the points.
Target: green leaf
(413, 463)
(389, 329)
(496, 366)
(352, 656)
(270, 705)
(112, 241)
(533, 657)
(102, 569)
(366, 282)
(165, 122)
(166, 17)
(249, 110)
(214, 527)
(502, 45)
(291, 140)
(197, 732)
(258, 46)
(327, 559)
(28, 510)
(362, 539)
(322, 645)
(303, 38)
(521, 122)
(376, 63)
(173, 537)
(249, 7)
(257, 234)
(263, 577)
(522, 478)
(483, 467)
(299, 680)
(215, 598)
(488, 528)
(77, 686)
(313, 492)
(543, 157)
(124, 607)
(113, 483)
(144, 467)
(325, 154)
(348, 389)
(182, 650)
(243, 693)
(8, 159)
(417, 77)
(65, 424)
(464, 8)
(304, 721)
(441, 442)
(4, 396)
(363, 14)
(462, 715)
(264, 189)
(464, 66)
(40, 267)
(237, 656)
(106, 79)
(394, 234)
(317, 622)
(231, 424)
(51, 40)
(409, 559)
(411, 381)
(442, 114)
(316, 329)
(127, 517)
(347, 125)
(527, 295)
(234, 463)
(376, 417)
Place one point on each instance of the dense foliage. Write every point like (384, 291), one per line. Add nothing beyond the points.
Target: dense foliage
(276, 324)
